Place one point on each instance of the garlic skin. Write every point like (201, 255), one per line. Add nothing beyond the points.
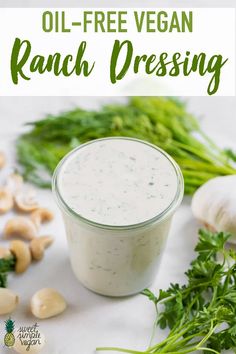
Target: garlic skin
(214, 204)
(8, 301)
(47, 303)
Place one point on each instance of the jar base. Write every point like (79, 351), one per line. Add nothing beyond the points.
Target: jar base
(114, 294)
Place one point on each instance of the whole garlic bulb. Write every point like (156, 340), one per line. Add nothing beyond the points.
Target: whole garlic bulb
(214, 204)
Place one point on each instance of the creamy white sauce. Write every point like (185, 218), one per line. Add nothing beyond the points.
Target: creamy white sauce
(118, 182)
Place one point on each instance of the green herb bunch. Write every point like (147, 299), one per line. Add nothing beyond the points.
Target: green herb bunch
(201, 314)
(6, 265)
(162, 121)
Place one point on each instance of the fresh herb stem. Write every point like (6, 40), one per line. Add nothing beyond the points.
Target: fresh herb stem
(119, 350)
(161, 121)
(200, 315)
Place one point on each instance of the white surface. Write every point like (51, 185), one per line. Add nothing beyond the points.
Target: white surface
(92, 320)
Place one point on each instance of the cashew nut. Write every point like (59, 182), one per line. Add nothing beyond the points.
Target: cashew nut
(41, 215)
(38, 245)
(25, 201)
(20, 227)
(4, 253)
(2, 159)
(6, 200)
(14, 183)
(47, 303)
(8, 301)
(22, 253)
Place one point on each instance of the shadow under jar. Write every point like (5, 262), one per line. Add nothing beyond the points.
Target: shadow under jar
(117, 197)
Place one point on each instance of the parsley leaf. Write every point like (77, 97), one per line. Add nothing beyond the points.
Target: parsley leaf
(201, 314)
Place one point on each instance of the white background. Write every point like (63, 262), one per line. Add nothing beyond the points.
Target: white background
(90, 319)
(115, 3)
(213, 33)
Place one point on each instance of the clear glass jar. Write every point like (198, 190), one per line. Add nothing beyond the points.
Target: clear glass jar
(116, 260)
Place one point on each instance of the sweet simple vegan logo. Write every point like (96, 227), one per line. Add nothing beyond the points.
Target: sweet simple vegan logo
(29, 336)
(24, 337)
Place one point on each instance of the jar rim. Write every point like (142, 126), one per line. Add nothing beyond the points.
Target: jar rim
(157, 218)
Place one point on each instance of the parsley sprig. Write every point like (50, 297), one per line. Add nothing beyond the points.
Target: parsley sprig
(201, 314)
(6, 265)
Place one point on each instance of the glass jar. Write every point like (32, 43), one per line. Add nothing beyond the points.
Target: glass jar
(116, 260)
